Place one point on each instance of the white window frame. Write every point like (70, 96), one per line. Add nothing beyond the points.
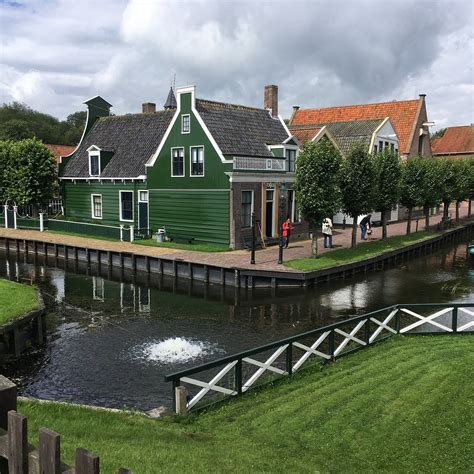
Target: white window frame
(120, 206)
(252, 203)
(182, 124)
(184, 162)
(101, 207)
(191, 162)
(91, 154)
(294, 218)
(140, 191)
(292, 148)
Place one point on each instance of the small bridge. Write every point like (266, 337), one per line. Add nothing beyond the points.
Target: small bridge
(234, 375)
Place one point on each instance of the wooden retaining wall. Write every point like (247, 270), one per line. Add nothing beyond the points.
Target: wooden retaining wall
(234, 277)
(11, 332)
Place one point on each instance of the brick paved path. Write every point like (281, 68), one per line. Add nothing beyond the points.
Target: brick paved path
(266, 259)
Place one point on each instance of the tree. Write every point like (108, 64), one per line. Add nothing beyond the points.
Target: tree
(440, 133)
(357, 185)
(387, 184)
(461, 184)
(430, 187)
(15, 129)
(317, 184)
(448, 184)
(411, 186)
(471, 185)
(6, 156)
(30, 176)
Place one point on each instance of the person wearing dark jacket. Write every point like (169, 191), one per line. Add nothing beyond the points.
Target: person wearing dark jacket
(365, 225)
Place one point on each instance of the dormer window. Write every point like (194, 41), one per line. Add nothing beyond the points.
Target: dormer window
(94, 161)
(185, 124)
(290, 159)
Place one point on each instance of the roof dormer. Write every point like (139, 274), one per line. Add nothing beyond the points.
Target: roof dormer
(94, 160)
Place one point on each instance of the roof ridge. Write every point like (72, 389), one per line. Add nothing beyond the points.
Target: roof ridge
(359, 105)
(137, 114)
(228, 104)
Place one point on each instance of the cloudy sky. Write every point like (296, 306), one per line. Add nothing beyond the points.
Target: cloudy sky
(57, 53)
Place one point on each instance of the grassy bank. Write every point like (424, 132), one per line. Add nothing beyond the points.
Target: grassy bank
(198, 247)
(15, 300)
(404, 405)
(360, 252)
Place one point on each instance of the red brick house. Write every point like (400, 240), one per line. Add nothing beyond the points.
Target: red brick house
(457, 142)
(408, 117)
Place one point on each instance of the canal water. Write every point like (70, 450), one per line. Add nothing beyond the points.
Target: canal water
(111, 337)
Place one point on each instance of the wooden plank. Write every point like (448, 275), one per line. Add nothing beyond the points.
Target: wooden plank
(49, 452)
(8, 396)
(86, 462)
(17, 443)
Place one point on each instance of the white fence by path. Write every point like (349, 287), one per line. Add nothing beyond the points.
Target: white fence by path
(234, 375)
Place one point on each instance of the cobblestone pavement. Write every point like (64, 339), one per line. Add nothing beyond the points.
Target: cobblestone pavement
(266, 259)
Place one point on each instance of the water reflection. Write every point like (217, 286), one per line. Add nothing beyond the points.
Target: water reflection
(101, 318)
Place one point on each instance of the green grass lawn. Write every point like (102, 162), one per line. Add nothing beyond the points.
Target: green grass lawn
(404, 405)
(15, 300)
(199, 247)
(361, 252)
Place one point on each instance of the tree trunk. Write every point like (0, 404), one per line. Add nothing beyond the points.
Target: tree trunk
(384, 224)
(445, 213)
(354, 232)
(427, 217)
(410, 211)
(469, 208)
(314, 244)
(458, 205)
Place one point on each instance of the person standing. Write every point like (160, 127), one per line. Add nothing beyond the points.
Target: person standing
(287, 227)
(327, 232)
(365, 225)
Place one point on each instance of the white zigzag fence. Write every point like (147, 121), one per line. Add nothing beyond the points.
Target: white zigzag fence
(236, 374)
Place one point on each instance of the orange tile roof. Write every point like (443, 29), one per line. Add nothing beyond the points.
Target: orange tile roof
(60, 150)
(455, 140)
(305, 134)
(402, 114)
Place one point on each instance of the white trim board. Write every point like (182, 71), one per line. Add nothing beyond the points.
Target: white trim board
(120, 205)
(101, 206)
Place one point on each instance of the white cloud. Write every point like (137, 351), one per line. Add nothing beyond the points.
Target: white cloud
(320, 53)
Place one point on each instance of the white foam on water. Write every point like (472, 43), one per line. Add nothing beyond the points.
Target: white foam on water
(174, 350)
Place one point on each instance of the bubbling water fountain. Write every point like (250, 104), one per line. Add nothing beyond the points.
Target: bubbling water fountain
(174, 350)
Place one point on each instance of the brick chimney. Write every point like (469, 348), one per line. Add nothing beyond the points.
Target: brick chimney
(270, 99)
(148, 108)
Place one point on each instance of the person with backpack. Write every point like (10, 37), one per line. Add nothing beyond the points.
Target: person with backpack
(327, 232)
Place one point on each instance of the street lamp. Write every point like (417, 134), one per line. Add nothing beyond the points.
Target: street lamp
(280, 223)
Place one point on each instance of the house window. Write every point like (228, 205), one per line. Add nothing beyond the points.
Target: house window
(94, 164)
(375, 148)
(126, 206)
(291, 160)
(293, 212)
(380, 145)
(420, 145)
(387, 145)
(96, 205)
(143, 196)
(185, 123)
(247, 208)
(197, 161)
(392, 147)
(177, 157)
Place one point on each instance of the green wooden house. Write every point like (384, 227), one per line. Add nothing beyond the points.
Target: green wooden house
(197, 168)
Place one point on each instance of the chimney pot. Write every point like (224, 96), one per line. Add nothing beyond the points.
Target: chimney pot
(148, 108)
(270, 99)
(296, 108)
(422, 95)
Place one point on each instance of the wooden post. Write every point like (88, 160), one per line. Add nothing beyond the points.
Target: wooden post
(8, 396)
(49, 452)
(86, 462)
(17, 443)
(181, 405)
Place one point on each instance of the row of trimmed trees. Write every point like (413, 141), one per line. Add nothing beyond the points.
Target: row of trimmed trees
(28, 173)
(364, 182)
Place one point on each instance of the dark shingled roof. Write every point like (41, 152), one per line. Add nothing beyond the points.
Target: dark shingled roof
(171, 100)
(347, 134)
(239, 130)
(131, 138)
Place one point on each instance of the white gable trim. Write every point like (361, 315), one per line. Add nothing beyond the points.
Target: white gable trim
(376, 132)
(179, 91)
(94, 148)
(325, 132)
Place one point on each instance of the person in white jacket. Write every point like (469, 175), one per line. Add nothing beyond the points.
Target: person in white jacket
(327, 232)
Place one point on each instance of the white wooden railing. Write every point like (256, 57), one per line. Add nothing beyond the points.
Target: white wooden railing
(239, 373)
(248, 163)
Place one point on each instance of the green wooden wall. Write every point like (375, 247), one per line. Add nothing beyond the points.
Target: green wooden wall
(192, 206)
(77, 199)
